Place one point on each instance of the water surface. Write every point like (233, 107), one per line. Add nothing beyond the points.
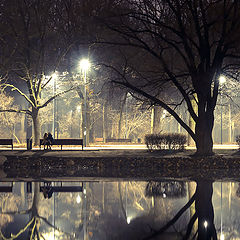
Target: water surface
(120, 209)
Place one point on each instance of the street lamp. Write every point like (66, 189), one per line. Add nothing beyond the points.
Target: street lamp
(84, 66)
(222, 80)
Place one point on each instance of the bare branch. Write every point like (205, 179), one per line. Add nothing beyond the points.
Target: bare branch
(19, 233)
(55, 96)
(176, 217)
(13, 88)
(16, 111)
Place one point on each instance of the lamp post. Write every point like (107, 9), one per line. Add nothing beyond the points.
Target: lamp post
(79, 110)
(84, 66)
(54, 78)
(222, 80)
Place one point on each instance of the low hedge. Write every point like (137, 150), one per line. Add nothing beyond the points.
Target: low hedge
(173, 141)
(238, 140)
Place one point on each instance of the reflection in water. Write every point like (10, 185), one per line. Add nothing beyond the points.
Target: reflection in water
(119, 210)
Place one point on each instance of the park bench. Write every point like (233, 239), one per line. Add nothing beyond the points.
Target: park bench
(62, 188)
(61, 142)
(119, 140)
(6, 142)
(6, 188)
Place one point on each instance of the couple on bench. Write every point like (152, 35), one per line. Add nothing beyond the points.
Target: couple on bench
(47, 140)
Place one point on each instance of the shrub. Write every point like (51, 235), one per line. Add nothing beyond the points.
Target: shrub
(238, 140)
(169, 141)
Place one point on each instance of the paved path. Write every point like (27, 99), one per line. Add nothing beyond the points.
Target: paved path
(124, 147)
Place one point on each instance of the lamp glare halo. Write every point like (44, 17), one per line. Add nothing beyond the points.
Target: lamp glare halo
(222, 79)
(85, 64)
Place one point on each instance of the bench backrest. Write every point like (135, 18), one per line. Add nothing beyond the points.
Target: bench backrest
(64, 189)
(6, 141)
(67, 141)
(118, 140)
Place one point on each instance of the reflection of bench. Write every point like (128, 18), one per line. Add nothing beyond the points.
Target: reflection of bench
(62, 142)
(6, 142)
(6, 188)
(121, 140)
(64, 188)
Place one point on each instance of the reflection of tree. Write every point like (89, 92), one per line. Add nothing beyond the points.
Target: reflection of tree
(35, 221)
(204, 214)
(9, 202)
(173, 189)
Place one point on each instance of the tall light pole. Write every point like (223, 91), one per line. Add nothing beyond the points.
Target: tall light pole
(54, 78)
(79, 110)
(222, 80)
(84, 66)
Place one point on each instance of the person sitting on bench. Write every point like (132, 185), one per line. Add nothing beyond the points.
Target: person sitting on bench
(49, 141)
(45, 140)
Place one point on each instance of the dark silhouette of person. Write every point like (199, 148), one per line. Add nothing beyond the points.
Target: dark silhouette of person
(49, 140)
(47, 190)
(45, 140)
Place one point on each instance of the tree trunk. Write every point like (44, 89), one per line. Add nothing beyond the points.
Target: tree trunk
(191, 191)
(204, 210)
(120, 115)
(35, 207)
(156, 119)
(105, 121)
(36, 126)
(203, 130)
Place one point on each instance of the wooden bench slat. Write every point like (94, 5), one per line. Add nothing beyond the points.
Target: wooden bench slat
(63, 188)
(6, 142)
(6, 189)
(118, 140)
(66, 141)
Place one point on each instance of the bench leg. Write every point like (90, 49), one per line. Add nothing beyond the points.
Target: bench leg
(12, 146)
(61, 147)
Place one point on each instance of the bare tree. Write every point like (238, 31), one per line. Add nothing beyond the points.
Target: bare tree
(187, 44)
(31, 51)
(204, 214)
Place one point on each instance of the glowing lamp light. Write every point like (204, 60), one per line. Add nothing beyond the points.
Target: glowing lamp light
(164, 195)
(205, 224)
(222, 79)
(78, 199)
(85, 64)
(222, 237)
(129, 220)
(54, 75)
(79, 108)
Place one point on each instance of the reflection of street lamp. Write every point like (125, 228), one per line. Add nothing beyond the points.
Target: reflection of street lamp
(84, 66)
(222, 80)
(78, 199)
(205, 224)
(221, 234)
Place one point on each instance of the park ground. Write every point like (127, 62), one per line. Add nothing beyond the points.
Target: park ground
(101, 163)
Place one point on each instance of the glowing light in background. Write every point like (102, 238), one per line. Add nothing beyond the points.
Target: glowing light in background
(222, 79)
(129, 220)
(205, 224)
(85, 64)
(78, 199)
